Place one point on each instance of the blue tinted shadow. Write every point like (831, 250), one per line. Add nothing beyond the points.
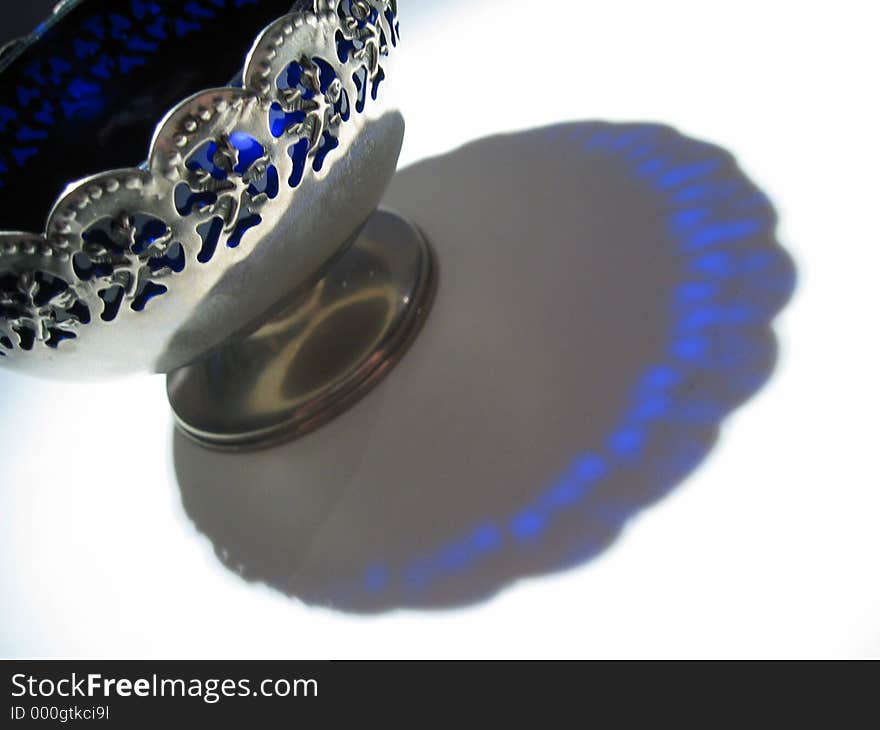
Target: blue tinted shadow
(664, 262)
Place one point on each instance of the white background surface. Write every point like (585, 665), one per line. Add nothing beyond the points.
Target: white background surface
(771, 547)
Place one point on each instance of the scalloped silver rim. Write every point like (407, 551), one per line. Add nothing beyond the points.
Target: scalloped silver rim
(202, 116)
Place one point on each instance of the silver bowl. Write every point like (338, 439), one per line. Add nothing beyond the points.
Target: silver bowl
(249, 216)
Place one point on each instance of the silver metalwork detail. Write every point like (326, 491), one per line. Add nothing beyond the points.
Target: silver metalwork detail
(143, 245)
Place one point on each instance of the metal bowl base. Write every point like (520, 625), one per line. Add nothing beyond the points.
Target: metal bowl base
(319, 355)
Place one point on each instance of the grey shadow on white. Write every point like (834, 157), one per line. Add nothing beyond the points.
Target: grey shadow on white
(605, 298)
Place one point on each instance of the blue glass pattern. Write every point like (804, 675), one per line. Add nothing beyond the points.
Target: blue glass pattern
(108, 72)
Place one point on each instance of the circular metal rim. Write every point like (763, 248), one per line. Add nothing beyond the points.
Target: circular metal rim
(346, 391)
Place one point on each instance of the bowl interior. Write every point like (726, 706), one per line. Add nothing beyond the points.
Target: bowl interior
(85, 92)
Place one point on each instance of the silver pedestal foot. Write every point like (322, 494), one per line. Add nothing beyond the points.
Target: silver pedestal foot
(320, 354)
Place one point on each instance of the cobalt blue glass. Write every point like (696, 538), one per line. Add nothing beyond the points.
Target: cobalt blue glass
(85, 93)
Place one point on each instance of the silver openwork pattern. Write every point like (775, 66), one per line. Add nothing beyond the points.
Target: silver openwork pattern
(218, 166)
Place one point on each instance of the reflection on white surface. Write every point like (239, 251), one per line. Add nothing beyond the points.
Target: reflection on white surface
(770, 547)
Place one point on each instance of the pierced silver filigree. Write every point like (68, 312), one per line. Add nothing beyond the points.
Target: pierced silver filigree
(135, 245)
